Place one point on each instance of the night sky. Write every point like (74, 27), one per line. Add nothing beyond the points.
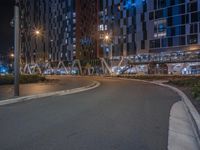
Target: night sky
(6, 31)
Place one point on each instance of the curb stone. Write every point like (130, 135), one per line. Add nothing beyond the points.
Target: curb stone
(93, 85)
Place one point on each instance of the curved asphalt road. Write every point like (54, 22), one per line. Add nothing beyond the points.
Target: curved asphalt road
(118, 115)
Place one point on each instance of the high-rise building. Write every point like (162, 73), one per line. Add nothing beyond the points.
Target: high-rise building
(34, 18)
(62, 30)
(55, 22)
(151, 26)
(86, 29)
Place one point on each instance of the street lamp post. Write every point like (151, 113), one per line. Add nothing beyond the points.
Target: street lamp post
(109, 44)
(16, 49)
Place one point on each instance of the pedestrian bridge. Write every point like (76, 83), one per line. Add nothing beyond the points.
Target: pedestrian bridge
(161, 63)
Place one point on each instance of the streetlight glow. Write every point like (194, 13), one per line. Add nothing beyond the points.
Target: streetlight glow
(107, 37)
(37, 32)
(12, 55)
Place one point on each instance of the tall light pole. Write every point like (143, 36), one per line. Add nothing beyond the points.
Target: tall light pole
(37, 34)
(16, 49)
(107, 40)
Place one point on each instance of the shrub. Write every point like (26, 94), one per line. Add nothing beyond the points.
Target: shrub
(196, 91)
(9, 79)
(31, 78)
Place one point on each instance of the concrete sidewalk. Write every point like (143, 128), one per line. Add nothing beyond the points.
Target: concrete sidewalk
(60, 83)
(181, 132)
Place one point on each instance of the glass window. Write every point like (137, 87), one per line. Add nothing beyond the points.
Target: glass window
(169, 11)
(168, 31)
(180, 30)
(172, 2)
(193, 28)
(192, 7)
(164, 42)
(144, 6)
(158, 14)
(182, 40)
(151, 15)
(194, 17)
(143, 44)
(173, 31)
(152, 44)
(169, 21)
(145, 35)
(192, 39)
(180, 9)
(161, 3)
(155, 4)
(155, 43)
(170, 42)
(161, 27)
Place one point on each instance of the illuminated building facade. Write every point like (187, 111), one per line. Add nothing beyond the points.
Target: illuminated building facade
(56, 22)
(34, 17)
(151, 26)
(62, 30)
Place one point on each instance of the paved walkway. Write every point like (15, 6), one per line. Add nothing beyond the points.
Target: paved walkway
(181, 133)
(61, 83)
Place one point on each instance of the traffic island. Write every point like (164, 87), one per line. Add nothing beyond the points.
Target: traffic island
(191, 87)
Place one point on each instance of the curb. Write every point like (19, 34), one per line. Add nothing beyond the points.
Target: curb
(94, 85)
(195, 117)
(190, 109)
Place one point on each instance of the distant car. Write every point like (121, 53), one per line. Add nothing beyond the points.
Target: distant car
(3, 70)
(74, 71)
(61, 71)
(48, 72)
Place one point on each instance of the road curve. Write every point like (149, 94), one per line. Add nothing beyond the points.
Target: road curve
(118, 115)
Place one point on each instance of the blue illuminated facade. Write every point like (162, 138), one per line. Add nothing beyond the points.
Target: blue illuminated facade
(3, 69)
(151, 26)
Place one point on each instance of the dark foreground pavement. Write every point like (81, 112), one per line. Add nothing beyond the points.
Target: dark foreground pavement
(60, 83)
(119, 115)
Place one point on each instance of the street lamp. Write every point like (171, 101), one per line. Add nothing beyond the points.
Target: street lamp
(12, 55)
(37, 32)
(16, 48)
(107, 38)
(108, 42)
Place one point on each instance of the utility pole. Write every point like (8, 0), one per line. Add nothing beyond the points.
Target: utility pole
(16, 49)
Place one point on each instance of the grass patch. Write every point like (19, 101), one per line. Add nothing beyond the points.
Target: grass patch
(193, 84)
(159, 77)
(196, 91)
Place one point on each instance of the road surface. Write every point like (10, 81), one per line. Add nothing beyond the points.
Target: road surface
(118, 115)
